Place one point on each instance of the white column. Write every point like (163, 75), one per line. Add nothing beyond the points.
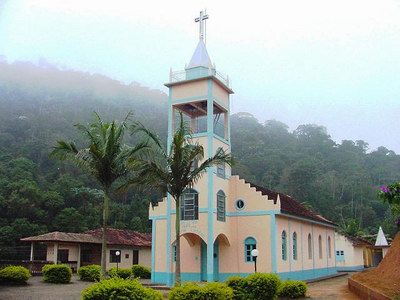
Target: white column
(31, 258)
(55, 253)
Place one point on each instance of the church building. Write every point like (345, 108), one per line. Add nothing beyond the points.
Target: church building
(224, 217)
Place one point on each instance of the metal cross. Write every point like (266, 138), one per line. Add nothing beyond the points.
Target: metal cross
(201, 20)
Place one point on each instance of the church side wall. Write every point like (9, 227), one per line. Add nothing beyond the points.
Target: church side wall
(304, 267)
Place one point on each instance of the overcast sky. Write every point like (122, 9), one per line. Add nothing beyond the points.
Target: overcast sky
(330, 62)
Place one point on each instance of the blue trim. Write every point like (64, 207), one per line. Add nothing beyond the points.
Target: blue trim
(349, 268)
(312, 246)
(253, 213)
(153, 249)
(290, 248)
(160, 277)
(189, 99)
(307, 274)
(302, 247)
(161, 217)
(199, 135)
(168, 241)
(210, 223)
(169, 198)
(273, 244)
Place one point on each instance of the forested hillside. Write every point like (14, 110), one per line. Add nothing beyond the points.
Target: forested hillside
(40, 104)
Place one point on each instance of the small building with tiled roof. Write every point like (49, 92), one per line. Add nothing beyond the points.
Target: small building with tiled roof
(79, 249)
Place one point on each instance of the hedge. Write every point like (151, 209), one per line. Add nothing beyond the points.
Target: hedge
(14, 275)
(57, 273)
(192, 291)
(293, 289)
(140, 271)
(118, 288)
(120, 272)
(260, 286)
(89, 273)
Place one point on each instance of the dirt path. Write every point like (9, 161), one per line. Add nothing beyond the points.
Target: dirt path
(38, 290)
(331, 289)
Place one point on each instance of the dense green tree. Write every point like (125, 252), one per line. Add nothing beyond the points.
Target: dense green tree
(105, 158)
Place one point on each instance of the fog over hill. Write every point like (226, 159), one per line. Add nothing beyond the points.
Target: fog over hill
(39, 104)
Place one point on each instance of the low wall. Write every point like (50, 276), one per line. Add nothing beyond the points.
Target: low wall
(365, 292)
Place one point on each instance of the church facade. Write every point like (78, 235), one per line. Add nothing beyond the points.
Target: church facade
(223, 218)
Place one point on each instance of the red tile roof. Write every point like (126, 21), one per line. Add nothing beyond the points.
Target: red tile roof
(114, 237)
(57, 236)
(124, 237)
(290, 205)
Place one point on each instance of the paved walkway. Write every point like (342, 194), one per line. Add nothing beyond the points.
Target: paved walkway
(331, 289)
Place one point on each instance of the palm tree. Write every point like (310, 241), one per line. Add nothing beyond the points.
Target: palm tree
(174, 171)
(105, 158)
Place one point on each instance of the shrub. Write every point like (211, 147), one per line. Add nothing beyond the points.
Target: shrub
(14, 275)
(239, 286)
(293, 289)
(258, 286)
(89, 273)
(118, 288)
(56, 273)
(191, 291)
(263, 286)
(141, 272)
(120, 272)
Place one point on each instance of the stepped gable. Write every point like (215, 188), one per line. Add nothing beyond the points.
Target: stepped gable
(290, 205)
(58, 236)
(123, 237)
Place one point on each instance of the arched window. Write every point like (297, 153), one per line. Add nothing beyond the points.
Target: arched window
(309, 246)
(190, 205)
(249, 244)
(329, 247)
(294, 245)
(221, 206)
(320, 246)
(284, 245)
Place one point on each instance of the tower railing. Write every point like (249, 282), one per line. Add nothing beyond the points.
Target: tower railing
(198, 72)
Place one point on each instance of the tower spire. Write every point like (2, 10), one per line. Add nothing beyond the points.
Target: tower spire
(202, 22)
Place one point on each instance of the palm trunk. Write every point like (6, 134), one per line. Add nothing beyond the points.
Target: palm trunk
(178, 244)
(104, 235)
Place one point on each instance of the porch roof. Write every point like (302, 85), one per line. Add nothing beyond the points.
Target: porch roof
(114, 237)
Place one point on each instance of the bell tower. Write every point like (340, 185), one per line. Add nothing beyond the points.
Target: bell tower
(202, 95)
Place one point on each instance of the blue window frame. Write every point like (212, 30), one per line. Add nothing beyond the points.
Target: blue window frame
(174, 251)
(339, 255)
(294, 245)
(221, 206)
(190, 205)
(284, 244)
(249, 245)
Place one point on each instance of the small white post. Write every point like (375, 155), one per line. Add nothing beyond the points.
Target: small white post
(78, 263)
(31, 258)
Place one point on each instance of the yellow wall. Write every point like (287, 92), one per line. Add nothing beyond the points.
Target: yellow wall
(189, 89)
